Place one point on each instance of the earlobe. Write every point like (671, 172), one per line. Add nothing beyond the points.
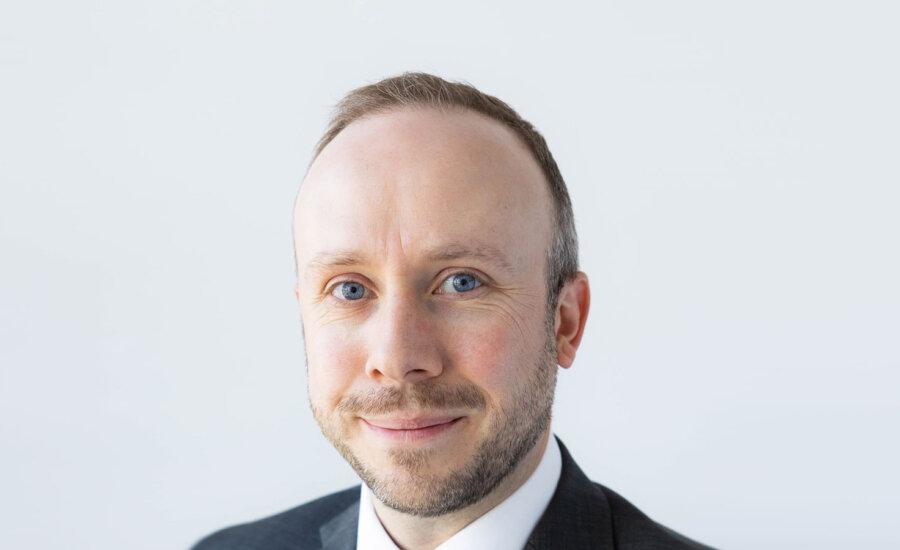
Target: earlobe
(571, 316)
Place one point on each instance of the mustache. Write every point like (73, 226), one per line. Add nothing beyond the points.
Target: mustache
(416, 396)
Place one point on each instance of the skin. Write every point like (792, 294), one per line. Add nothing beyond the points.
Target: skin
(420, 383)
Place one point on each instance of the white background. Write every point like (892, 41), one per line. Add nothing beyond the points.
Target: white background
(734, 170)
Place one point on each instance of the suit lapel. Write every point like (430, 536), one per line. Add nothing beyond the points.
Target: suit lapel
(340, 532)
(578, 516)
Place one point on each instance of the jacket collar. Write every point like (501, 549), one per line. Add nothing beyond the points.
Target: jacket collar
(340, 532)
(578, 515)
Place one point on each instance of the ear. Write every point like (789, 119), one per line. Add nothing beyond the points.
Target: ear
(571, 316)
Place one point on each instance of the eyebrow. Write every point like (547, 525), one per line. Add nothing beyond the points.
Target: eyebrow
(325, 260)
(452, 251)
(455, 251)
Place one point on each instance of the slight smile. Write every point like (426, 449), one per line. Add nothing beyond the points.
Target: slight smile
(411, 429)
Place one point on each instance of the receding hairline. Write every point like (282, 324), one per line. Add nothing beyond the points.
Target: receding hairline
(444, 109)
(514, 144)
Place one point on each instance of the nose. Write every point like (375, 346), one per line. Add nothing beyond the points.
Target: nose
(404, 345)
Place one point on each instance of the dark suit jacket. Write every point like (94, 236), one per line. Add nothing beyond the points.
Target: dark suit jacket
(581, 515)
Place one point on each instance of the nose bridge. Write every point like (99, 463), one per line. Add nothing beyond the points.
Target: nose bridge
(405, 349)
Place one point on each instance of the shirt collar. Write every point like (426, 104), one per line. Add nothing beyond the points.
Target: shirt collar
(371, 534)
(507, 525)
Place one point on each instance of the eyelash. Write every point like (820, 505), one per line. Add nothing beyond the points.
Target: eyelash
(480, 280)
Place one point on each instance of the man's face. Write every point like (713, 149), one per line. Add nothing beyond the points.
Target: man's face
(421, 244)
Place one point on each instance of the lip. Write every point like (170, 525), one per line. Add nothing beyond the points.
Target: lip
(411, 429)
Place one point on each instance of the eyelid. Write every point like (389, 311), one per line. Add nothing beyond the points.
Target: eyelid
(482, 279)
(334, 284)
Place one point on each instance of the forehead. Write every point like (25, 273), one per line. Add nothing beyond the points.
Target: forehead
(420, 179)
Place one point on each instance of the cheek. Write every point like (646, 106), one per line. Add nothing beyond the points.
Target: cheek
(334, 360)
(493, 355)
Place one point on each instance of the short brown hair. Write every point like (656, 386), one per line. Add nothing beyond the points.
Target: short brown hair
(422, 89)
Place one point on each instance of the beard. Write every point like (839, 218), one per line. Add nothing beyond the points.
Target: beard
(514, 430)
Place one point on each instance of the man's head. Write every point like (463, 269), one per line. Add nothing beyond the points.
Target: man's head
(432, 319)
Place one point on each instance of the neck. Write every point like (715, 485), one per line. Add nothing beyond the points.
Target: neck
(418, 533)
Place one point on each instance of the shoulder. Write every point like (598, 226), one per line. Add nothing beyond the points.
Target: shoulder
(295, 528)
(583, 514)
(634, 530)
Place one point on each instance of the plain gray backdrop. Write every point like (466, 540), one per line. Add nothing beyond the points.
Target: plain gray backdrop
(734, 171)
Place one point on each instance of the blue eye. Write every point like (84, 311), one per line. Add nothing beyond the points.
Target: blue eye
(461, 282)
(349, 290)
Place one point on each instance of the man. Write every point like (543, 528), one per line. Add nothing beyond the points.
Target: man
(439, 291)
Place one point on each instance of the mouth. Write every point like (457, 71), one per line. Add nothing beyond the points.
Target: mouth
(411, 429)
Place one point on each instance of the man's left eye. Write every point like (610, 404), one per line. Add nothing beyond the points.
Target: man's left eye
(460, 282)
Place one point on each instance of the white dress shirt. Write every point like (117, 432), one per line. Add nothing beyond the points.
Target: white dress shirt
(506, 525)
